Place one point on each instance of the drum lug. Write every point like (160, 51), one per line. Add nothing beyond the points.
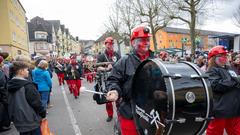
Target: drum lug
(195, 76)
(180, 120)
(201, 119)
(173, 76)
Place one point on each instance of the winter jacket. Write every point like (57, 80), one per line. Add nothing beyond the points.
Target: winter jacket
(50, 72)
(25, 109)
(3, 88)
(4, 118)
(75, 75)
(67, 71)
(42, 79)
(103, 57)
(226, 92)
(59, 70)
(120, 79)
(79, 68)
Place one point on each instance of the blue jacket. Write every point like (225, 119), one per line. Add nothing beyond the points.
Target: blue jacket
(42, 79)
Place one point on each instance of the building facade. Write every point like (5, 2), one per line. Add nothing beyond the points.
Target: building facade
(42, 37)
(180, 38)
(13, 28)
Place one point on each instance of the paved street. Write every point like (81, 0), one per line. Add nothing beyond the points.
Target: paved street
(82, 117)
(70, 116)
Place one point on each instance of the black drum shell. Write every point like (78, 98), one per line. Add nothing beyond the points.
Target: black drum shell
(166, 89)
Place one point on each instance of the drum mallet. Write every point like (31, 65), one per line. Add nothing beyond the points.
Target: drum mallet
(83, 89)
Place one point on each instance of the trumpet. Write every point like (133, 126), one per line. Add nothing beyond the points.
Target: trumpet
(98, 64)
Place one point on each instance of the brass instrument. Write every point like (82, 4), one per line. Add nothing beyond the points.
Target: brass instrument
(103, 64)
(92, 66)
(59, 66)
(73, 74)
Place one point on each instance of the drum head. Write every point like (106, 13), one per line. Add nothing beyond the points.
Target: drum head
(168, 98)
(149, 97)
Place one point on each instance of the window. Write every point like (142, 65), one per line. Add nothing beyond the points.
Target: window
(40, 35)
(39, 46)
(17, 22)
(14, 36)
(11, 15)
(42, 46)
(19, 52)
(45, 47)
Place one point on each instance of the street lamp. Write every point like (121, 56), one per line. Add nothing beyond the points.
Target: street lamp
(184, 41)
(197, 42)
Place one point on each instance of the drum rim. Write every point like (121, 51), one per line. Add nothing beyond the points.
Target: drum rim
(207, 93)
(164, 70)
(160, 64)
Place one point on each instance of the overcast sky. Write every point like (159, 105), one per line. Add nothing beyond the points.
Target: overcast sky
(86, 18)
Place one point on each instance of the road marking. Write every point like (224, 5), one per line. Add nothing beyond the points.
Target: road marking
(70, 112)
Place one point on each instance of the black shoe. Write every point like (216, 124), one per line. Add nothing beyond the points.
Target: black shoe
(109, 119)
(76, 97)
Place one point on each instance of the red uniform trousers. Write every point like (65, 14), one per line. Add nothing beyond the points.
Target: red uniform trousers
(109, 108)
(60, 78)
(69, 85)
(127, 126)
(231, 125)
(90, 78)
(75, 86)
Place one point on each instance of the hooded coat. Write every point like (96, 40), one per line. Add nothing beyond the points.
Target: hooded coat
(42, 78)
(24, 108)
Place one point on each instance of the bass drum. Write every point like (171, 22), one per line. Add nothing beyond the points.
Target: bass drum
(170, 99)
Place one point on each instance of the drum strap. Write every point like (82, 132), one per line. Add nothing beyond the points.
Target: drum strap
(106, 57)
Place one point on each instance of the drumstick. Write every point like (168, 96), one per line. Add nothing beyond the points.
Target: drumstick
(83, 89)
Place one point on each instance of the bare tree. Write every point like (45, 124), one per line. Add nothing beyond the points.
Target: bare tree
(236, 17)
(128, 17)
(114, 24)
(152, 12)
(186, 11)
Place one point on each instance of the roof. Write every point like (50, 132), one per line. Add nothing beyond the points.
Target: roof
(39, 24)
(67, 31)
(201, 32)
(62, 28)
(56, 24)
(21, 6)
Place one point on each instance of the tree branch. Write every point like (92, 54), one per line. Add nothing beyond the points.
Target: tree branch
(196, 2)
(186, 1)
(185, 9)
(180, 18)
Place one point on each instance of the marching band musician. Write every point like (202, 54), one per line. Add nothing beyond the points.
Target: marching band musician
(108, 56)
(74, 77)
(67, 73)
(59, 69)
(120, 80)
(88, 68)
(226, 95)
